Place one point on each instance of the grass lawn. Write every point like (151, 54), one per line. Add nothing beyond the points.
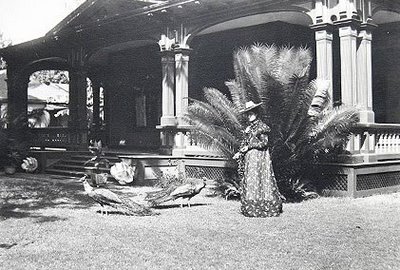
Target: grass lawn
(49, 223)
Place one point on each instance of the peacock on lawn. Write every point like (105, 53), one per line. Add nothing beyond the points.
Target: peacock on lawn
(122, 204)
(188, 190)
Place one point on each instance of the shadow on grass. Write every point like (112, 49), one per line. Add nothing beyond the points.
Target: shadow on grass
(119, 213)
(170, 206)
(22, 197)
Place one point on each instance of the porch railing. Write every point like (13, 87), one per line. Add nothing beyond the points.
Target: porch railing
(59, 137)
(378, 141)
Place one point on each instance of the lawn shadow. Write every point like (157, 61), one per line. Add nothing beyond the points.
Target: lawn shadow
(21, 196)
(170, 206)
(120, 213)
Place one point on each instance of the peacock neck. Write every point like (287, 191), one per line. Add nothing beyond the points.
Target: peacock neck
(88, 188)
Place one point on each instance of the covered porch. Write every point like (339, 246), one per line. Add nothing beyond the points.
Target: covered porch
(148, 58)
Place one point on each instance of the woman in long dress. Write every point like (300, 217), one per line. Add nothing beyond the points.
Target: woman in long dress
(260, 196)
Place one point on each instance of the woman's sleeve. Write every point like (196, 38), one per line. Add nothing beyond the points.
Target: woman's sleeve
(259, 139)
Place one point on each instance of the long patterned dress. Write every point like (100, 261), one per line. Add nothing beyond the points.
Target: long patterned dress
(260, 195)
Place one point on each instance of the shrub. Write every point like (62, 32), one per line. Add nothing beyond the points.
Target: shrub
(306, 128)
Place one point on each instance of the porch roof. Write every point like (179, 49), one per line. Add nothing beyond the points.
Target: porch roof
(102, 23)
(99, 24)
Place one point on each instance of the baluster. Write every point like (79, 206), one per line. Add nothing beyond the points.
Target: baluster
(378, 143)
(385, 143)
(357, 143)
(186, 139)
(350, 144)
(364, 142)
(393, 143)
(195, 138)
(390, 143)
(372, 144)
(395, 146)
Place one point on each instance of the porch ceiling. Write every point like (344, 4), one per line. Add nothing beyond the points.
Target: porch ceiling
(103, 23)
(99, 24)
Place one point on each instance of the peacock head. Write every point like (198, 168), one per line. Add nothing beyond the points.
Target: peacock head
(204, 181)
(83, 179)
(86, 184)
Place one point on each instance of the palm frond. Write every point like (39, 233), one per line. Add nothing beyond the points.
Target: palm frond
(296, 103)
(292, 62)
(237, 94)
(224, 108)
(272, 99)
(205, 112)
(305, 128)
(335, 128)
(242, 62)
(216, 138)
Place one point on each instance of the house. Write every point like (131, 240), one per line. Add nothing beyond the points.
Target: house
(51, 97)
(34, 102)
(147, 57)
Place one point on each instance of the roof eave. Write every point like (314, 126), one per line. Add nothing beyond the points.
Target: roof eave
(74, 14)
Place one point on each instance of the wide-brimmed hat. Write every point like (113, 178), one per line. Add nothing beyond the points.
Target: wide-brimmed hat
(250, 105)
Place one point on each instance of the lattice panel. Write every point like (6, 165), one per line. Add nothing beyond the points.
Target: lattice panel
(212, 173)
(335, 182)
(377, 180)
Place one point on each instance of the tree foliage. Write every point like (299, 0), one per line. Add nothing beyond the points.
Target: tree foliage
(50, 76)
(3, 43)
(306, 129)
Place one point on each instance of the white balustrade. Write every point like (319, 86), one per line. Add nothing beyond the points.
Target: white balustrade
(378, 139)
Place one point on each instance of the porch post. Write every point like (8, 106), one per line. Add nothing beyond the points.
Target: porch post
(96, 109)
(77, 108)
(17, 86)
(348, 32)
(167, 121)
(182, 95)
(181, 83)
(364, 74)
(168, 81)
(323, 38)
(348, 60)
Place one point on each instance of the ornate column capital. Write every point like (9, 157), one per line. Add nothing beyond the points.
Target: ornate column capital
(323, 26)
(181, 56)
(166, 44)
(348, 26)
(167, 57)
(323, 31)
(368, 27)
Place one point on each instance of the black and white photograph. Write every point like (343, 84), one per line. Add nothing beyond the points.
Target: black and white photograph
(200, 134)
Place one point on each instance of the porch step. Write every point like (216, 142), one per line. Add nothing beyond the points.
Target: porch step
(64, 172)
(85, 158)
(74, 165)
(78, 168)
(148, 167)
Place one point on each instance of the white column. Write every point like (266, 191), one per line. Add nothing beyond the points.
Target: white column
(168, 73)
(323, 38)
(348, 61)
(181, 83)
(364, 75)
